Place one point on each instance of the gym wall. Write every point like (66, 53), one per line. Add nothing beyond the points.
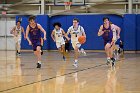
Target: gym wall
(129, 24)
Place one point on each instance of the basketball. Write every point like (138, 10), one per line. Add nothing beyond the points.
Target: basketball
(82, 39)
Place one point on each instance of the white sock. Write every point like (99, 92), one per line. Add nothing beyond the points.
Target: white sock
(108, 58)
(76, 60)
(82, 50)
(39, 62)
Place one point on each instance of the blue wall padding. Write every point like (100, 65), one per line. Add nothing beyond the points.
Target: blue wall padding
(129, 23)
(138, 32)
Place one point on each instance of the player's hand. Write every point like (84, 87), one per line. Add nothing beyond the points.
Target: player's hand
(100, 33)
(113, 41)
(68, 39)
(11, 32)
(25, 38)
(118, 37)
(44, 38)
(30, 43)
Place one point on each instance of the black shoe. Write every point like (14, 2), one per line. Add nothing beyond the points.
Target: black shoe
(19, 54)
(64, 58)
(113, 64)
(41, 52)
(42, 49)
(38, 65)
(16, 52)
(113, 61)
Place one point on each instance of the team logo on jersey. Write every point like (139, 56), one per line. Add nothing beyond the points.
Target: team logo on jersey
(58, 34)
(76, 33)
(106, 30)
(18, 31)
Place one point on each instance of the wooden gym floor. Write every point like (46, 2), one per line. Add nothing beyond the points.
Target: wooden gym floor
(20, 75)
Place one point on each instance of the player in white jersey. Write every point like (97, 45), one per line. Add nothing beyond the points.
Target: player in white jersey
(75, 31)
(116, 36)
(16, 31)
(57, 36)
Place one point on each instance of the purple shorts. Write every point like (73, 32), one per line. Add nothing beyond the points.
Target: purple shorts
(35, 43)
(108, 41)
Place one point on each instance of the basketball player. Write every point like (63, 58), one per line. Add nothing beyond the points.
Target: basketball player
(116, 36)
(16, 31)
(75, 31)
(106, 31)
(34, 30)
(57, 36)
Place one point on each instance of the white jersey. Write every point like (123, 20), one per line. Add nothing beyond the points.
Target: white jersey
(58, 35)
(115, 34)
(75, 33)
(18, 31)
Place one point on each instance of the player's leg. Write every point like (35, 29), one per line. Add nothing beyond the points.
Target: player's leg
(61, 48)
(38, 54)
(107, 46)
(19, 45)
(116, 51)
(42, 43)
(63, 51)
(76, 47)
(111, 54)
(58, 45)
(16, 44)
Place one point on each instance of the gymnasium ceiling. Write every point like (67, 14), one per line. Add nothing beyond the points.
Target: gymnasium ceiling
(92, 6)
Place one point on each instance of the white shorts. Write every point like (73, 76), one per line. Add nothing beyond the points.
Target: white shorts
(76, 44)
(59, 44)
(17, 39)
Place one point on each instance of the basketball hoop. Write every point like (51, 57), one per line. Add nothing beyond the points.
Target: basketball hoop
(3, 13)
(67, 5)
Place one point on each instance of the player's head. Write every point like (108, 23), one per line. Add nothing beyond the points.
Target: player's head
(106, 20)
(57, 25)
(18, 23)
(75, 22)
(32, 19)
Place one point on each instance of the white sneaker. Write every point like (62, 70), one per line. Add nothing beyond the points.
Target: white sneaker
(75, 64)
(83, 52)
(108, 61)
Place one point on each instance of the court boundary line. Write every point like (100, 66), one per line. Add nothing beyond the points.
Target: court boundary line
(53, 77)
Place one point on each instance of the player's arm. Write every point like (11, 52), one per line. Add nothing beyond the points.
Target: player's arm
(68, 32)
(52, 35)
(83, 32)
(100, 32)
(22, 29)
(65, 35)
(118, 31)
(13, 29)
(42, 29)
(27, 33)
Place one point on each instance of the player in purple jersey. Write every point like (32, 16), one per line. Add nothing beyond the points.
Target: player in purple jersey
(106, 31)
(34, 30)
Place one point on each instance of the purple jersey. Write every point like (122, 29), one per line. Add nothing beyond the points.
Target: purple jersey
(35, 36)
(108, 33)
(34, 33)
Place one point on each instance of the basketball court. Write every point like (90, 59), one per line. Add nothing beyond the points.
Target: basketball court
(18, 73)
